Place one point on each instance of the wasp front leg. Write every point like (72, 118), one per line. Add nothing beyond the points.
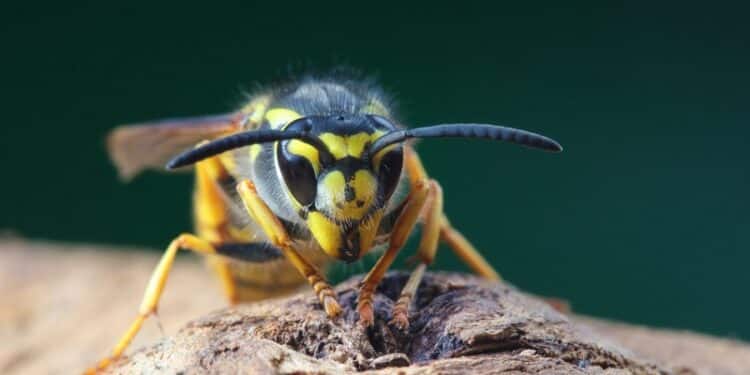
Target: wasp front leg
(402, 228)
(428, 245)
(278, 236)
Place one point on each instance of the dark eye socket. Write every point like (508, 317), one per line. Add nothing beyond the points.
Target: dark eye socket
(389, 172)
(299, 175)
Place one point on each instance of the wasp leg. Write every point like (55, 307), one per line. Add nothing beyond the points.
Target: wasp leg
(153, 291)
(428, 245)
(400, 314)
(455, 240)
(402, 228)
(464, 250)
(278, 236)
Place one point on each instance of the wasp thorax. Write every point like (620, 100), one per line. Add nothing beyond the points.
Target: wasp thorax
(346, 195)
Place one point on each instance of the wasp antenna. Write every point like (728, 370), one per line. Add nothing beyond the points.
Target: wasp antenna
(481, 131)
(231, 142)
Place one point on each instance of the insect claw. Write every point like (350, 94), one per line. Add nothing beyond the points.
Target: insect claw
(400, 321)
(400, 317)
(366, 316)
(331, 306)
(365, 320)
(103, 364)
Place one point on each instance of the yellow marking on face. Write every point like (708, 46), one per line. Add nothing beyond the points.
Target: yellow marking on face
(351, 145)
(334, 185)
(325, 232)
(306, 151)
(336, 144)
(368, 229)
(278, 117)
(356, 144)
(365, 186)
(255, 151)
(333, 191)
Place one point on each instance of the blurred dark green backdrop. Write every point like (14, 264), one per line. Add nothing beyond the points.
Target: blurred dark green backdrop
(645, 217)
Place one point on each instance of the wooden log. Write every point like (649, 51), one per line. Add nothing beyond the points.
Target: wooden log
(64, 306)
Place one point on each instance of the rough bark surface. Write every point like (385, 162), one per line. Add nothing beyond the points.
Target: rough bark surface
(65, 307)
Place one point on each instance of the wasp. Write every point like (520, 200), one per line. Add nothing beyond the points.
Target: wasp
(304, 174)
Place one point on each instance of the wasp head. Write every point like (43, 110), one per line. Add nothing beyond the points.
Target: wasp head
(340, 170)
(336, 180)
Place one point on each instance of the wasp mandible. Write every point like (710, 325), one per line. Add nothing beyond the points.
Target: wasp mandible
(306, 173)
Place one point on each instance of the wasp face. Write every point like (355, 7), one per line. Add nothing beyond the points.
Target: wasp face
(340, 188)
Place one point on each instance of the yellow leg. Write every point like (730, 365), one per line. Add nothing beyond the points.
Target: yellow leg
(401, 230)
(154, 290)
(228, 284)
(455, 240)
(278, 236)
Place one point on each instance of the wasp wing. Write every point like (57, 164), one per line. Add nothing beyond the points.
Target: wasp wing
(136, 147)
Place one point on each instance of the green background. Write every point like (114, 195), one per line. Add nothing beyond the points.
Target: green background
(644, 218)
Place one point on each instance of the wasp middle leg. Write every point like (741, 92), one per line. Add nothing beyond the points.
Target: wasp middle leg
(452, 237)
(435, 227)
(404, 225)
(210, 218)
(154, 291)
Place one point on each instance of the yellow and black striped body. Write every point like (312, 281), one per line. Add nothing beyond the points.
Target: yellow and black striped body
(352, 212)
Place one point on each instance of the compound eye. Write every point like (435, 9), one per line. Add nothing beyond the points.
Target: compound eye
(389, 171)
(299, 175)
